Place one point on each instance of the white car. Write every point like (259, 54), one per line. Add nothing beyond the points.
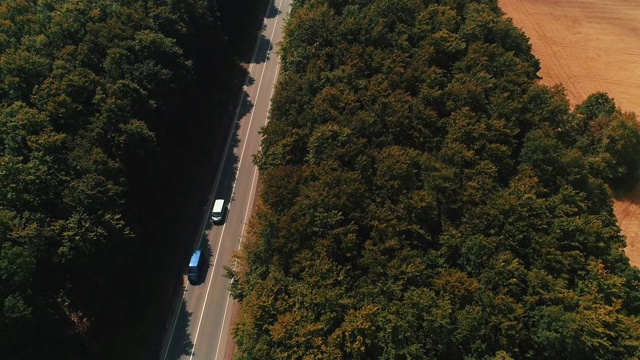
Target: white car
(219, 211)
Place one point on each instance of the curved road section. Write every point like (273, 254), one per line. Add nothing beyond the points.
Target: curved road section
(200, 327)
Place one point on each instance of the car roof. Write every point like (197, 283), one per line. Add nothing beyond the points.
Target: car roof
(195, 258)
(218, 204)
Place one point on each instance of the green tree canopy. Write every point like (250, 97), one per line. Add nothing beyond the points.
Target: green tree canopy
(423, 197)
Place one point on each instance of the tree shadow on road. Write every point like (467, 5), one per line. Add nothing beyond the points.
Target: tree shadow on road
(272, 11)
(262, 50)
(183, 344)
(224, 190)
(207, 252)
(264, 45)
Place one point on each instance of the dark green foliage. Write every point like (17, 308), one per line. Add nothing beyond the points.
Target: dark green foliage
(423, 198)
(596, 105)
(90, 95)
(610, 137)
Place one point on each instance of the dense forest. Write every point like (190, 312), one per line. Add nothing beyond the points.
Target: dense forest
(96, 99)
(422, 197)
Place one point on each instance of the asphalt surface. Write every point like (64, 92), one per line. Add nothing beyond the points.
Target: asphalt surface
(200, 325)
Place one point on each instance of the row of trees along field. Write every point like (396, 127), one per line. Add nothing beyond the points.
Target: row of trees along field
(91, 94)
(423, 198)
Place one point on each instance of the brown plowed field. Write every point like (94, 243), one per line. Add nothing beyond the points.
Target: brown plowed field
(589, 46)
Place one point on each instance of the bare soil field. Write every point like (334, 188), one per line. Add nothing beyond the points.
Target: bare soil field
(589, 46)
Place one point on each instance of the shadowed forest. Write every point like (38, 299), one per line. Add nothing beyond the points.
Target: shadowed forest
(110, 115)
(424, 198)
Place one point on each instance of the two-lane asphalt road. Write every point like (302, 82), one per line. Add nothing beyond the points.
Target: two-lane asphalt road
(200, 327)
